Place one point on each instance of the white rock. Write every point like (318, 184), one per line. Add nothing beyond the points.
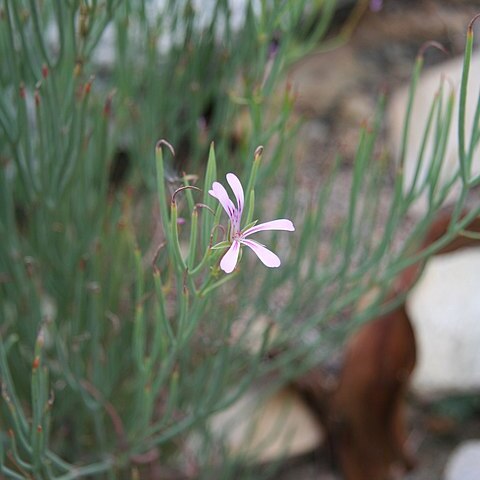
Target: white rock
(449, 74)
(263, 429)
(464, 463)
(444, 308)
(105, 52)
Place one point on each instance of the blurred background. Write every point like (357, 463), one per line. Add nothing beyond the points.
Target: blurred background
(126, 353)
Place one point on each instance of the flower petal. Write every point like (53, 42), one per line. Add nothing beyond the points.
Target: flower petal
(280, 224)
(266, 256)
(218, 191)
(237, 190)
(229, 260)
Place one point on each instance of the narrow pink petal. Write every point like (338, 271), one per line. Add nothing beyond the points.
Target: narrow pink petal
(280, 224)
(229, 260)
(218, 191)
(266, 256)
(237, 190)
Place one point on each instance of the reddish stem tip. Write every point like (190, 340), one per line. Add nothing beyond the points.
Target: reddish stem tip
(36, 363)
(258, 152)
(181, 189)
(470, 25)
(162, 142)
(434, 44)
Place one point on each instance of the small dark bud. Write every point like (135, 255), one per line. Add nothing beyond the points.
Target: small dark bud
(273, 46)
(36, 363)
(77, 69)
(107, 108)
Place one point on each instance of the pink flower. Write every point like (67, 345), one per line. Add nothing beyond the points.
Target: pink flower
(239, 237)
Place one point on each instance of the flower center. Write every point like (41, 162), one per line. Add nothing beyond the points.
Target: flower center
(236, 234)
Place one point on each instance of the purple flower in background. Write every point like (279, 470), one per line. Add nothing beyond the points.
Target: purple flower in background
(376, 5)
(239, 237)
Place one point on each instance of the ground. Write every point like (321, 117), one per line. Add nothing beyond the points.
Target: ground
(433, 438)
